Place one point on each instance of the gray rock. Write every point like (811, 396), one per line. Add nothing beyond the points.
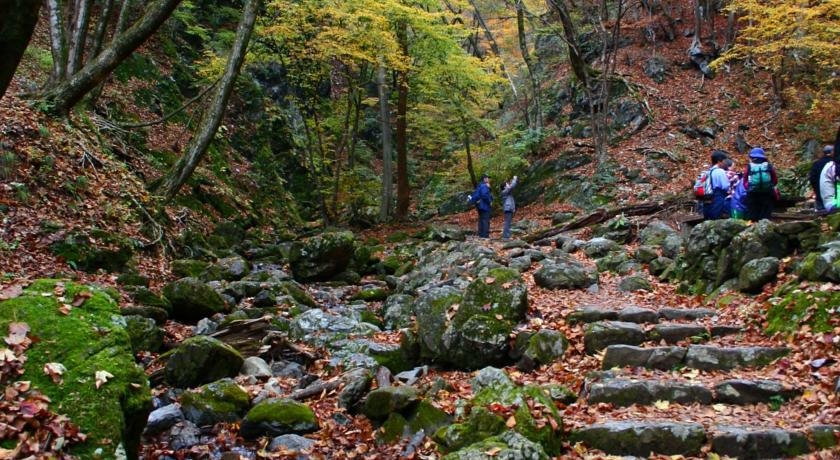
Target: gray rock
(357, 383)
(758, 444)
(634, 283)
(410, 377)
(381, 402)
(634, 314)
(623, 392)
(220, 401)
(740, 391)
(591, 314)
(291, 443)
(322, 257)
(509, 445)
(265, 299)
(489, 377)
(756, 273)
(599, 247)
(656, 68)
(685, 313)
(276, 417)
(672, 246)
(659, 266)
(600, 335)
(232, 268)
(645, 254)
(520, 264)
(316, 321)
(543, 347)
(643, 438)
(664, 358)
(564, 274)
(256, 367)
(714, 358)
(163, 418)
(655, 232)
(184, 435)
(398, 310)
(824, 436)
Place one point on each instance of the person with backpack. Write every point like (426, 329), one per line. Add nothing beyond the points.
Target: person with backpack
(482, 198)
(717, 188)
(814, 176)
(739, 200)
(760, 182)
(508, 205)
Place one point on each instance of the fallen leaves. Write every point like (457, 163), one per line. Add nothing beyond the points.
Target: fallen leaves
(102, 378)
(11, 291)
(55, 371)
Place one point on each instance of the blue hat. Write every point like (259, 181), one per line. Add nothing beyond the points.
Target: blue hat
(758, 153)
(828, 149)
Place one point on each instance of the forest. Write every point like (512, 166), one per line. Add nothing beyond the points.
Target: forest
(246, 229)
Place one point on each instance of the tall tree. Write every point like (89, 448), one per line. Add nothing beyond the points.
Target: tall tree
(535, 120)
(185, 165)
(62, 97)
(17, 21)
(385, 124)
(403, 189)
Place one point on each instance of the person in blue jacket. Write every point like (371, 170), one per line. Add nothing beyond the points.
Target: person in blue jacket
(718, 207)
(482, 198)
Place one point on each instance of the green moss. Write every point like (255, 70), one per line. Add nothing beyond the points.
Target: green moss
(480, 424)
(88, 340)
(90, 251)
(392, 430)
(284, 411)
(500, 292)
(427, 418)
(799, 307)
(371, 295)
(219, 401)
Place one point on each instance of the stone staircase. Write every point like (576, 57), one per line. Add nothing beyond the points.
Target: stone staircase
(683, 361)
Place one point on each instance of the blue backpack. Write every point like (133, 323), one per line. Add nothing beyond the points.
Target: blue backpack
(759, 178)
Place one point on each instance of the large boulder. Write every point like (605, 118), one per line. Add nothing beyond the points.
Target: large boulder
(756, 273)
(564, 274)
(192, 299)
(94, 250)
(706, 249)
(199, 360)
(823, 265)
(90, 339)
(322, 257)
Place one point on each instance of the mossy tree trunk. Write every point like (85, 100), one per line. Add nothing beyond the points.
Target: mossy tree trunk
(17, 21)
(402, 130)
(385, 123)
(69, 92)
(185, 166)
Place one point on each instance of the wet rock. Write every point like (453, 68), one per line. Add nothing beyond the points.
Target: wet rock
(600, 335)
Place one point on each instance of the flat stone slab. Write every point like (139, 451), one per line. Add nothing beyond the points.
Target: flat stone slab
(703, 357)
(591, 314)
(691, 314)
(748, 444)
(741, 391)
(664, 358)
(601, 334)
(639, 315)
(706, 357)
(642, 438)
(625, 392)
(675, 332)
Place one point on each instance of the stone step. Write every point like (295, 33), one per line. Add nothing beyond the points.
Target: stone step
(634, 314)
(601, 334)
(703, 357)
(625, 392)
(641, 438)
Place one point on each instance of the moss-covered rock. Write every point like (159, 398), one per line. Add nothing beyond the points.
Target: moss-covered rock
(322, 257)
(371, 294)
(393, 429)
(220, 401)
(91, 338)
(144, 296)
(542, 348)
(506, 446)
(188, 268)
(383, 401)
(478, 425)
(431, 310)
(480, 341)
(756, 273)
(193, 299)
(799, 306)
(94, 250)
(501, 292)
(821, 266)
(564, 274)
(277, 417)
(634, 283)
(133, 279)
(199, 360)
(144, 333)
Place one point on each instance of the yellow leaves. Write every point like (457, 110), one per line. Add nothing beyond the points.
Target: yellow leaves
(662, 404)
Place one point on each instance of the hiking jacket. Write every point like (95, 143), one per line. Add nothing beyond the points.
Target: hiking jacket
(508, 204)
(739, 198)
(718, 179)
(482, 197)
(828, 186)
(816, 170)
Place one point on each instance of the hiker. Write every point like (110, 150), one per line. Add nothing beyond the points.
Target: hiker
(760, 181)
(738, 202)
(716, 207)
(508, 205)
(830, 186)
(814, 176)
(482, 198)
(731, 174)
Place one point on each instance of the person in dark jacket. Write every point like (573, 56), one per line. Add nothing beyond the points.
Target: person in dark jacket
(482, 198)
(760, 181)
(508, 205)
(814, 175)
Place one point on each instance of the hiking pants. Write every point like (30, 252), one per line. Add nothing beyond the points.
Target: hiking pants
(484, 223)
(508, 220)
(759, 205)
(718, 208)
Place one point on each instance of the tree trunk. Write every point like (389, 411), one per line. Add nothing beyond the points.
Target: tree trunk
(470, 167)
(402, 132)
(58, 43)
(534, 122)
(211, 119)
(488, 35)
(68, 93)
(101, 28)
(385, 123)
(122, 19)
(78, 36)
(571, 36)
(730, 30)
(17, 21)
(698, 25)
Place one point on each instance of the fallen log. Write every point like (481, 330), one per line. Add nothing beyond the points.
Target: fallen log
(317, 388)
(602, 215)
